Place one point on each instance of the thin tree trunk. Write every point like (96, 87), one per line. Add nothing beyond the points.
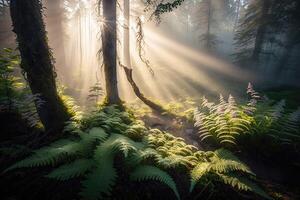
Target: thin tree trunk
(237, 15)
(127, 61)
(36, 61)
(126, 37)
(208, 41)
(109, 47)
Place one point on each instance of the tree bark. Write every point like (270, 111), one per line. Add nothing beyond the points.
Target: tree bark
(109, 48)
(36, 61)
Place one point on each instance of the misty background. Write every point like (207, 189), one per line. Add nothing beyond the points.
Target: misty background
(193, 50)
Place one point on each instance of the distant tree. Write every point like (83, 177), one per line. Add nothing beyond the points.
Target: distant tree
(288, 15)
(208, 38)
(205, 23)
(36, 61)
(251, 32)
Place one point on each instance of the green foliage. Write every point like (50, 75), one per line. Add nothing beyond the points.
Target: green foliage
(95, 92)
(69, 103)
(147, 172)
(15, 96)
(225, 167)
(224, 123)
(91, 149)
(203, 167)
(162, 7)
(221, 122)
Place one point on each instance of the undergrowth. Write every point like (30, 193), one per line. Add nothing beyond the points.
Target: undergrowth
(262, 121)
(108, 141)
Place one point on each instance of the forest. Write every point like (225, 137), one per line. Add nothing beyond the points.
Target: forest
(149, 99)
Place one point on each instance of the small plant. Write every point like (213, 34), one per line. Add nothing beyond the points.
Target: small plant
(95, 92)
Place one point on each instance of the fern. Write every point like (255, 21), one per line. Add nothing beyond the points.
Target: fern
(102, 179)
(221, 122)
(75, 169)
(146, 172)
(89, 153)
(49, 155)
(229, 169)
(243, 184)
(226, 122)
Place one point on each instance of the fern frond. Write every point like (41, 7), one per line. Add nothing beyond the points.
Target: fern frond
(101, 180)
(77, 168)
(242, 183)
(146, 172)
(95, 134)
(198, 172)
(51, 155)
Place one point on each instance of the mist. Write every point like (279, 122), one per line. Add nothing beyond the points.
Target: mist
(184, 60)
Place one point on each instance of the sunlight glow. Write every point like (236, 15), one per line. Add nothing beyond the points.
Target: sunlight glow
(180, 70)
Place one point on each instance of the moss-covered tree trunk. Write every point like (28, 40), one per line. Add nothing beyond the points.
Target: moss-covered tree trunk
(36, 61)
(109, 48)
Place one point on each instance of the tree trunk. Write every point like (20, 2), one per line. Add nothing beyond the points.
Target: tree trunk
(261, 31)
(36, 61)
(291, 43)
(140, 95)
(127, 61)
(109, 47)
(237, 15)
(208, 41)
(126, 37)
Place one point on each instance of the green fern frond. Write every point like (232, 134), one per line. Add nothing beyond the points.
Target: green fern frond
(174, 161)
(51, 155)
(146, 172)
(101, 180)
(225, 166)
(243, 184)
(198, 172)
(77, 168)
(94, 134)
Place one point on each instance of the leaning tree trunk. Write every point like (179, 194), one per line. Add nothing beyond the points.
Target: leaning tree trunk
(127, 61)
(109, 48)
(36, 61)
